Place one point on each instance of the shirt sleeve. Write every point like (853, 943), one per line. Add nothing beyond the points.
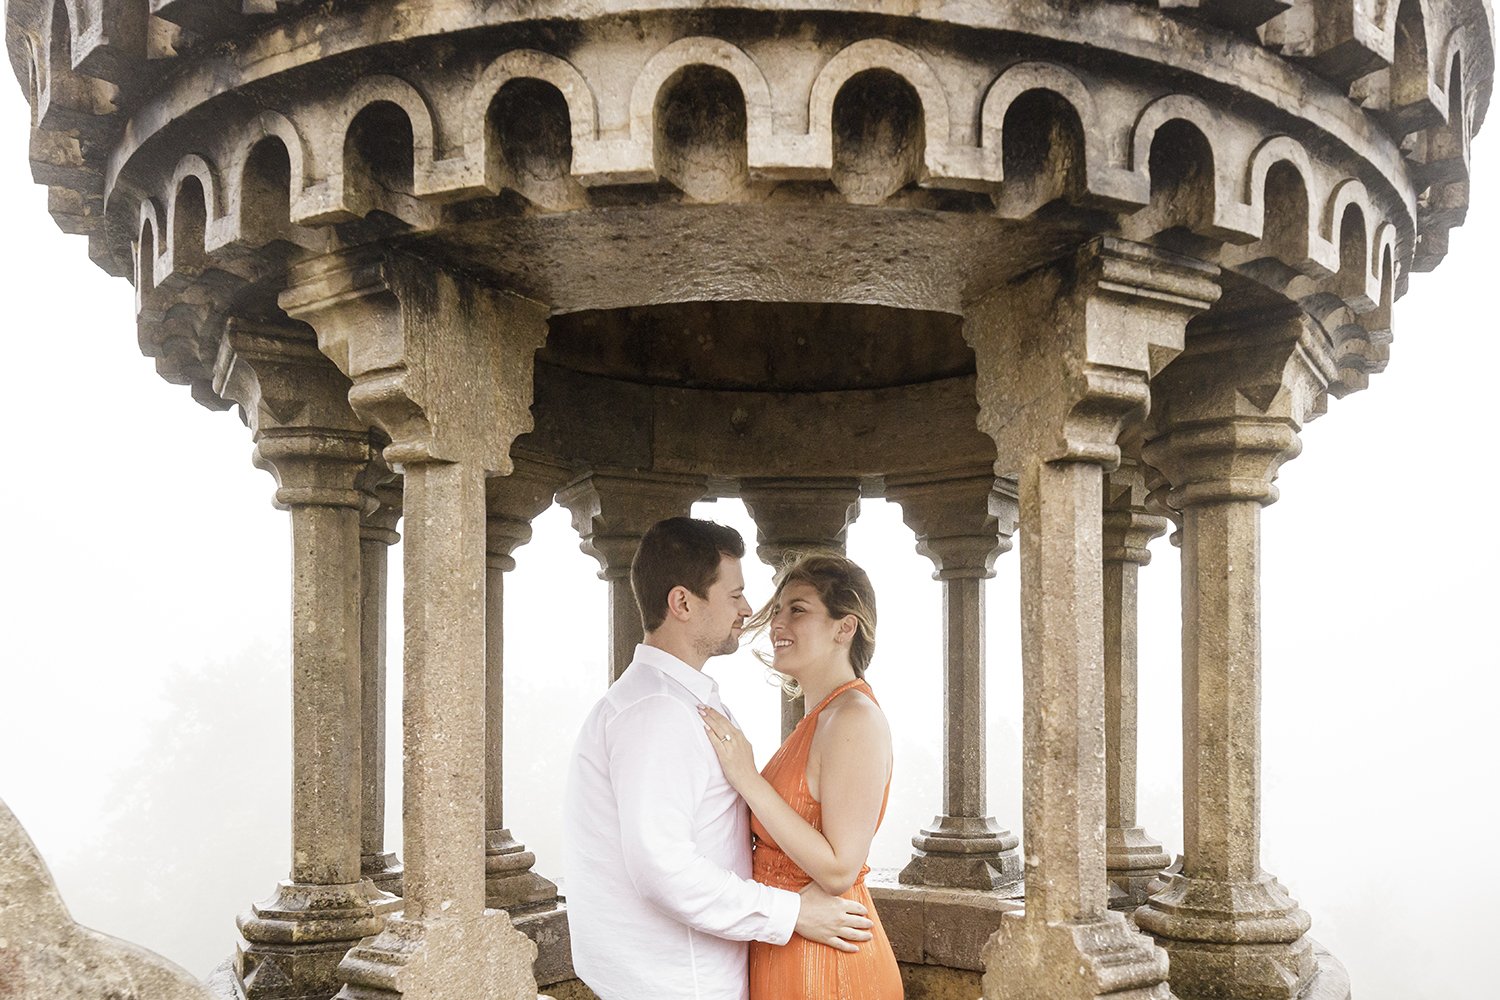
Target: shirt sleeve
(660, 774)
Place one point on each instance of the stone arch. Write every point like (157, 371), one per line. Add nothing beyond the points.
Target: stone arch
(701, 138)
(879, 54)
(148, 224)
(1043, 152)
(1030, 77)
(190, 214)
(266, 125)
(384, 92)
(1352, 282)
(1214, 180)
(1285, 209)
(379, 157)
(583, 114)
(877, 136)
(265, 181)
(528, 145)
(668, 63)
(1412, 53)
(1451, 64)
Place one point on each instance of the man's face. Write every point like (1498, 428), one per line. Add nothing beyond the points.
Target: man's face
(721, 614)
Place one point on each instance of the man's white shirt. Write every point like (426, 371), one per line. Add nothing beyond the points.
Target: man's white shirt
(657, 846)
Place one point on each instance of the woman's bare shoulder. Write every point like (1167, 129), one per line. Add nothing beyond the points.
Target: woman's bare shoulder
(854, 715)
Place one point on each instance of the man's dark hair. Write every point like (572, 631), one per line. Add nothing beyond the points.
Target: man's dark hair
(679, 552)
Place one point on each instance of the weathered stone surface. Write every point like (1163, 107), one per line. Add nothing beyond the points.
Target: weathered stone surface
(44, 955)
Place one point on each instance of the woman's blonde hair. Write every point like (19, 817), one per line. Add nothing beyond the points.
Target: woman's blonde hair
(843, 588)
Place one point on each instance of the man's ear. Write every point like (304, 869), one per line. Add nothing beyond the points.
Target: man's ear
(678, 605)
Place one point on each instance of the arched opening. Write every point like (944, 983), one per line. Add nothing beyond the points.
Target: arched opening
(531, 140)
(1042, 151)
(266, 191)
(1409, 66)
(378, 154)
(145, 261)
(189, 224)
(879, 136)
(700, 142)
(1181, 165)
(1354, 251)
(1285, 223)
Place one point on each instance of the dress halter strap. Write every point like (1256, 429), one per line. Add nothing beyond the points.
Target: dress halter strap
(857, 682)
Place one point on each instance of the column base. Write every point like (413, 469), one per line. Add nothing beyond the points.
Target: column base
(1231, 940)
(296, 939)
(1032, 959)
(442, 958)
(1133, 861)
(384, 870)
(509, 882)
(965, 852)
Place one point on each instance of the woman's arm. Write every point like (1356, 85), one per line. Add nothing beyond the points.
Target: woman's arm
(854, 757)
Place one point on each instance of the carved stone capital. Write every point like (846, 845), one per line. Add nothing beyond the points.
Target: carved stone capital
(512, 502)
(381, 512)
(1228, 412)
(798, 515)
(1064, 353)
(296, 405)
(441, 364)
(962, 523)
(612, 510)
(1129, 525)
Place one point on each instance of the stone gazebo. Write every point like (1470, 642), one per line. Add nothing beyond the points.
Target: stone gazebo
(1073, 269)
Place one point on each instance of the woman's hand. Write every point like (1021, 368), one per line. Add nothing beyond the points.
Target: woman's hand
(736, 756)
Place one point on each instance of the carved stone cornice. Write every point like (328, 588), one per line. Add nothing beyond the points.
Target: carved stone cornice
(1064, 354)
(962, 522)
(1228, 412)
(798, 515)
(296, 404)
(438, 362)
(613, 509)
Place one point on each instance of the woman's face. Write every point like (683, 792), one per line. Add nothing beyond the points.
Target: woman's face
(802, 632)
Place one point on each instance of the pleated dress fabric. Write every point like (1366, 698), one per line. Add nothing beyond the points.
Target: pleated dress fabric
(803, 969)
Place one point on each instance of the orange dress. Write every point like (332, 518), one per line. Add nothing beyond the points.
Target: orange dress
(803, 969)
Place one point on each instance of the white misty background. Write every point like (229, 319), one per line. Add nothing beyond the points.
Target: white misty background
(145, 685)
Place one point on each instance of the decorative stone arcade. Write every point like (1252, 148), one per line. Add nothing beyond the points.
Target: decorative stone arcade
(1051, 268)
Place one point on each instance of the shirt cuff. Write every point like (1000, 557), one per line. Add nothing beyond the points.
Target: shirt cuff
(786, 907)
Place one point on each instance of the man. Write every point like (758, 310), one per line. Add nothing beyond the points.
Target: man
(660, 904)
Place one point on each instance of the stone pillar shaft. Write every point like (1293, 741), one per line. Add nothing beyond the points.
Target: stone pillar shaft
(444, 686)
(1061, 590)
(377, 535)
(1221, 691)
(1133, 857)
(326, 707)
(963, 693)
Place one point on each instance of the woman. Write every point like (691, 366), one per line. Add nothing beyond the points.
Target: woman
(818, 803)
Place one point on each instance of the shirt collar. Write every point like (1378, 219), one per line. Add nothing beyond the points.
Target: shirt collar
(702, 686)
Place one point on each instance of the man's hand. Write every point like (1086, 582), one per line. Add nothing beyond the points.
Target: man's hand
(832, 920)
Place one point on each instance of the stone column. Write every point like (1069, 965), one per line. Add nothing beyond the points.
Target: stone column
(377, 533)
(793, 516)
(1133, 857)
(1229, 414)
(611, 511)
(963, 522)
(443, 367)
(296, 405)
(1063, 357)
(513, 502)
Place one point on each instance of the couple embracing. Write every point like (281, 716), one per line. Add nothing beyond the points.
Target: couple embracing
(678, 852)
